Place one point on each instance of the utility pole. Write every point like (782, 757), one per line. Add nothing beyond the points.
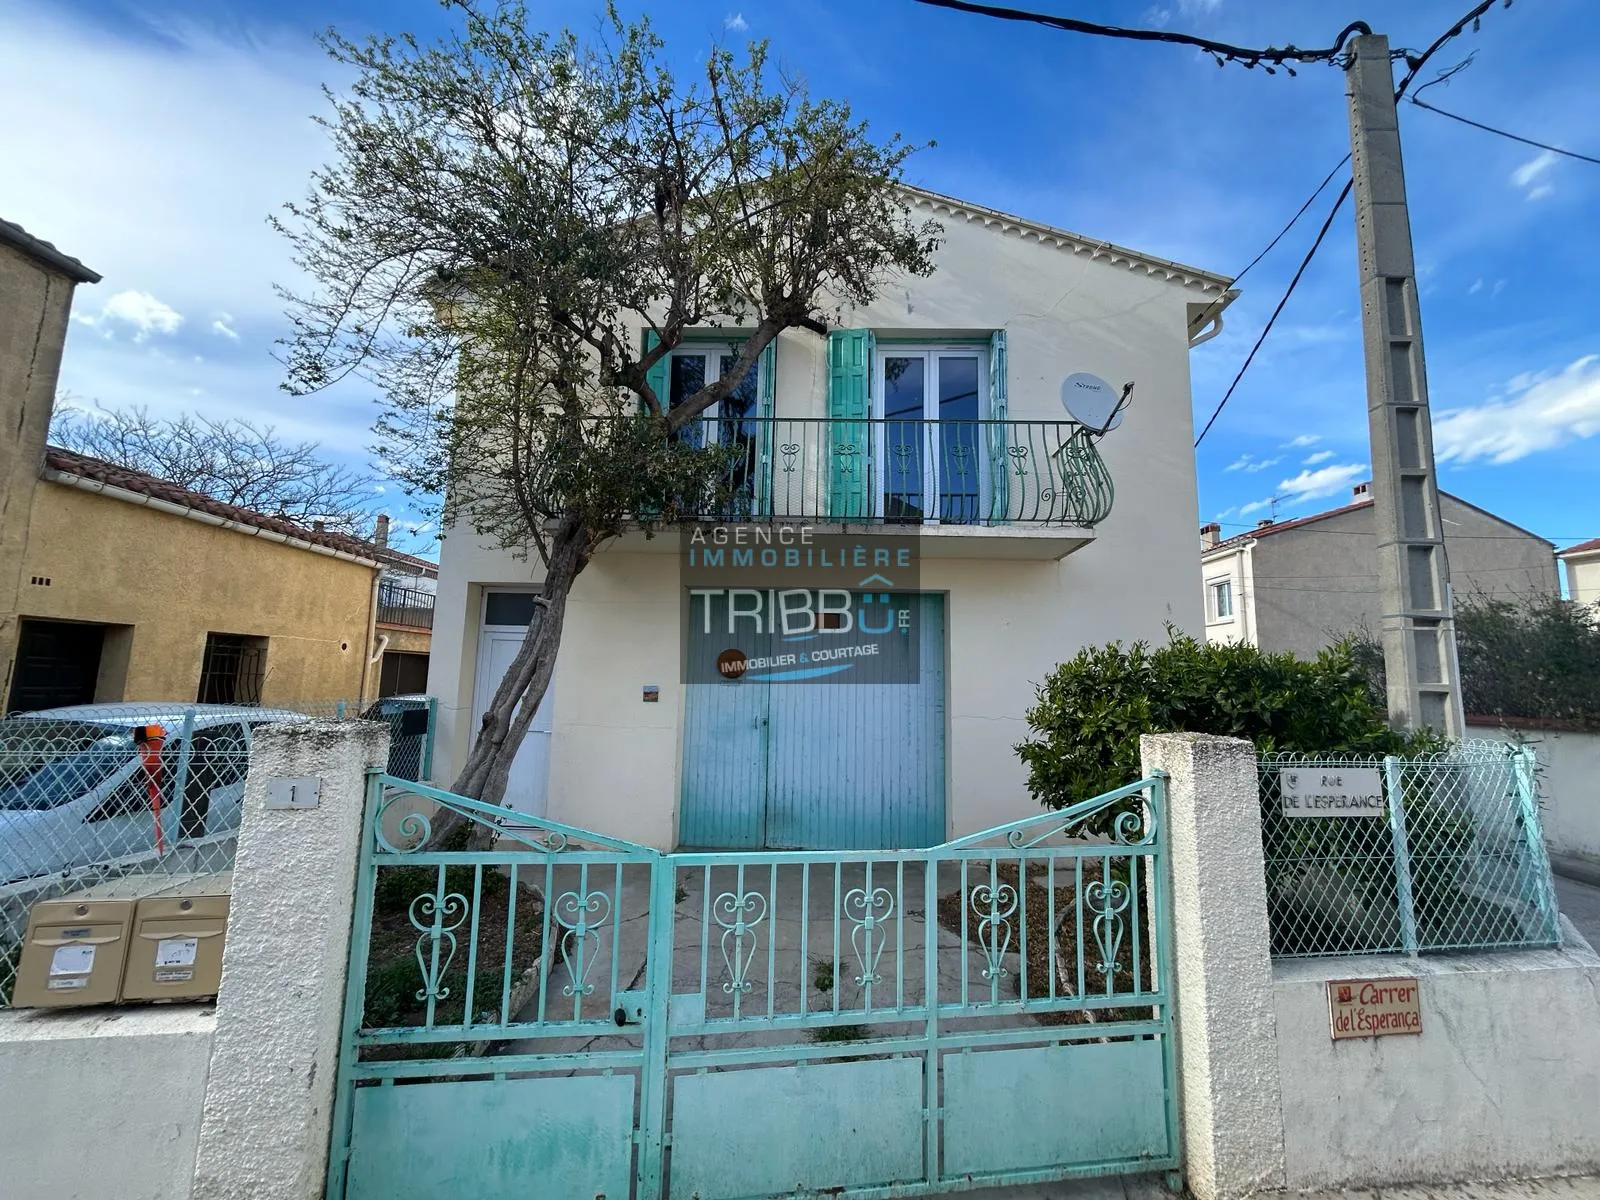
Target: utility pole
(1419, 645)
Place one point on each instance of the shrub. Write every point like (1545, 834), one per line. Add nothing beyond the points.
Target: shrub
(1089, 712)
(1535, 657)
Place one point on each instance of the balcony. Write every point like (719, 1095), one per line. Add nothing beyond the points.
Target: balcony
(991, 489)
(409, 608)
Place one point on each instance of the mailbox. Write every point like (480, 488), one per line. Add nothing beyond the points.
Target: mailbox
(74, 951)
(175, 951)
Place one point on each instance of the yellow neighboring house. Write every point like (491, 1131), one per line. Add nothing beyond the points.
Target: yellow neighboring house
(116, 585)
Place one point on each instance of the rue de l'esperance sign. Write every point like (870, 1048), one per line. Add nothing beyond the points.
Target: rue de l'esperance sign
(1331, 792)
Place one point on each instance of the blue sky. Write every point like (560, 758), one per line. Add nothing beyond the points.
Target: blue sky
(158, 135)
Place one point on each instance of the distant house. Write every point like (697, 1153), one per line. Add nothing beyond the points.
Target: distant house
(1300, 585)
(1583, 571)
(116, 585)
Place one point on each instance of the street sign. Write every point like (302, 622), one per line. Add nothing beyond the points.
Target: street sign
(1362, 1008)
(1331, 792)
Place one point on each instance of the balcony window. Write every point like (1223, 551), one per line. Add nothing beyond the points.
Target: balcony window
(930, 456)
(732, 421)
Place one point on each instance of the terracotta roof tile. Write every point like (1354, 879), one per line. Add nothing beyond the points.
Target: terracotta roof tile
(81, 465)
(1262, 531)
(1588, 547)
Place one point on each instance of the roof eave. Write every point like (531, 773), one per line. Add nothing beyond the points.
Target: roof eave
(45, 254)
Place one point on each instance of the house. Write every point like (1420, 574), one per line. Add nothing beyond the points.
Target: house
(932, 421)
(116, 585)
(1300, 585)
(1583, 571)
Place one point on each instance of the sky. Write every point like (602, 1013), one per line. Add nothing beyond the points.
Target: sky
(152, 139)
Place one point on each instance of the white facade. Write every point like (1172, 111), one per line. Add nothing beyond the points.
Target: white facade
(1569, 783)
(1583, 572)
(1017, 599)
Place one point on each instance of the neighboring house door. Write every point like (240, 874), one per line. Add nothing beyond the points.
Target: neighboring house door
(525, 789)
(58, 663)
(809, 765)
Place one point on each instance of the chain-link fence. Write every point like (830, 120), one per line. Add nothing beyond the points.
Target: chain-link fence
(133, 800)
(1434, 853)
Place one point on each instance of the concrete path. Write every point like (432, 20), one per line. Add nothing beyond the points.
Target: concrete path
(1149, 1187)
(1580, 903)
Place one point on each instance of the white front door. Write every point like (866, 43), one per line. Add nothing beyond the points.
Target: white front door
(525, 789)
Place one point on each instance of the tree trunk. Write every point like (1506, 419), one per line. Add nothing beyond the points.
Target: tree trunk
(516, 700)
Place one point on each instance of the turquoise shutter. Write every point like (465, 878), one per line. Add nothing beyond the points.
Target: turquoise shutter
(849, 445)
(767, 382)
(657, 376)
(999, 490)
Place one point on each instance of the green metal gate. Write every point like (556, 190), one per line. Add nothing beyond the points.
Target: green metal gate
(569, 1015)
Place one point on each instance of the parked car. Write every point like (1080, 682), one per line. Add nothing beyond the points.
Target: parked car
(83, 785)
(408, 718)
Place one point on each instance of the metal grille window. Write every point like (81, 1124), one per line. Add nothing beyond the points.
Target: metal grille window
(1454, 860)
(233, 669)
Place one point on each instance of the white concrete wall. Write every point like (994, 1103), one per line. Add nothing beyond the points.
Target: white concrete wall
(614, 759)
(1234, 566)
(270, 1096)
(1569, 784)
(1583, 577)
(101, 1104)
(1501, 1083)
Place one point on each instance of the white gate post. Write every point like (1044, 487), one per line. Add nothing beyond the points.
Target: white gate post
(268, 1111)
(1226, 1017)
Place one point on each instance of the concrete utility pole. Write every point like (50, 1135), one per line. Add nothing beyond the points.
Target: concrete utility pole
(1419, 644)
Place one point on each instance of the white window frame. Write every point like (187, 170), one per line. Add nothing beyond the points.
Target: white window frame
(930, 353)
(1214, 591)
(712, 352)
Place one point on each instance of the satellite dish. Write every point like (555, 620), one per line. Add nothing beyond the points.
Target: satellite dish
(1092, 402)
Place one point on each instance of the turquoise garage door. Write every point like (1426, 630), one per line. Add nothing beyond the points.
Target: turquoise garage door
(775, 761)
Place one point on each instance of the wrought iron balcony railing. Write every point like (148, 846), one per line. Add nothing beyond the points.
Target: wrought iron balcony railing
(404, 606)
(908, 472)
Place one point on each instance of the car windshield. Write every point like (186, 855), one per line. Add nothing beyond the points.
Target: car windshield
(46, 763)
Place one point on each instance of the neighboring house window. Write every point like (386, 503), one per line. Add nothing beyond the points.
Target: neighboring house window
(1221, 599)
(233, 669)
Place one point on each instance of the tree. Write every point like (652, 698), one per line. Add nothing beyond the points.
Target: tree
(1535, 657)
(231, 460)
(506, 210)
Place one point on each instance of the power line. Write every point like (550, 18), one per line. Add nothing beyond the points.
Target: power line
(1269, 57)
(1272, 320)
(1503, 133)
(1294, 220)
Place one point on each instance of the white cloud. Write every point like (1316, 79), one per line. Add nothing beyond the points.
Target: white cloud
(133, 310)
(1195, 8)
(1538, 412)
(1324, 481)
(1305, 439)
(1477, 286)
(224, 325)
(1157, 17)
(1227, 512)
(1254, 506)
(1238, 464)
(736, 22)
(1531, 175)
(1263, 464)
(1321, 456)
(1499, 286)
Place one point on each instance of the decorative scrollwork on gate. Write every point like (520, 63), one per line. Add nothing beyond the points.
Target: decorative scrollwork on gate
(994, 904)
(436, 919)
(867, 912)
(1107, 902)
(414, 829)
(738, 915)
(582, 915)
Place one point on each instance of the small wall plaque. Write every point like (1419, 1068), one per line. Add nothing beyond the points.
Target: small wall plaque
(294, 793)
(1364, 1008)
(652, 694)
